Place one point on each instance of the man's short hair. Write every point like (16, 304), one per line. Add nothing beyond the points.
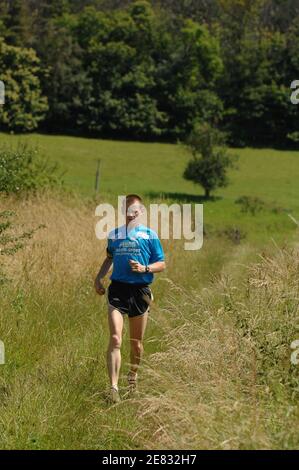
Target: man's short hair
(133, 197)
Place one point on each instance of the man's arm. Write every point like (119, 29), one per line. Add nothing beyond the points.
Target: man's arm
(156, 254)
(100, 289)
(157, 267)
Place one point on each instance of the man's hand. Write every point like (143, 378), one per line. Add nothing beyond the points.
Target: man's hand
(136, 267)
(100, 289)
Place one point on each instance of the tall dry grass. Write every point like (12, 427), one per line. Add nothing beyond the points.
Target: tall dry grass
(216, 373)
(226, 380)
(64, 249)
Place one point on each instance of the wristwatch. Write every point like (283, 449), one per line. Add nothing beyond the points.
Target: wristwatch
(147, 269)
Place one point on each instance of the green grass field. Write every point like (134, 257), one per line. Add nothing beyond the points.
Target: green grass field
(155, 171)
(216, 371)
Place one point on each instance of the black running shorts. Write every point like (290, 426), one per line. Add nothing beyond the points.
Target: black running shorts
(130, 299)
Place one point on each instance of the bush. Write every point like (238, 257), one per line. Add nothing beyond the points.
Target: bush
(234, 234)
(253, 205)
(25, 169)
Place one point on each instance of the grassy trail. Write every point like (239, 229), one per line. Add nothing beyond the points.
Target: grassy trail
(216, 373)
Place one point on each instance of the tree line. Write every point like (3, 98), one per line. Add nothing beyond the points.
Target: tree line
(151, 70)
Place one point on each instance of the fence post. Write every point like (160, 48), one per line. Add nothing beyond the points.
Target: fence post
(97, 181)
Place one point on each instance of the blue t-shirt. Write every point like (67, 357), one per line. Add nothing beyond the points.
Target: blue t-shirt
(140, 244)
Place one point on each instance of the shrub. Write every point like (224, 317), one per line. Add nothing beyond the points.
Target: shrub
(234, 234)
(252, 205)
(25, 169)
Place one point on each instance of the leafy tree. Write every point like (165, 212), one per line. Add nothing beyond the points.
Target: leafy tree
(210, 158)
(66, 83)
(292, 73)
(199, 10)
(279, 14)
(118, 54)
(256, 94)
(146, 80)
(17, 20)
(186, 78)
(25, 106)
(255, 84)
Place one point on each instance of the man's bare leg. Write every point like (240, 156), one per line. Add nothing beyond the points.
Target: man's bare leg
(137, 327)
(116, 323)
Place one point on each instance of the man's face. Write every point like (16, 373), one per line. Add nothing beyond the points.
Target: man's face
(133, 210)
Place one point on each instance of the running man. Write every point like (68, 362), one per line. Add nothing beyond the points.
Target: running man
(136, 254)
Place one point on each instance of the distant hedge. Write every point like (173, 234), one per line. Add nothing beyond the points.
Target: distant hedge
(151, 69)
